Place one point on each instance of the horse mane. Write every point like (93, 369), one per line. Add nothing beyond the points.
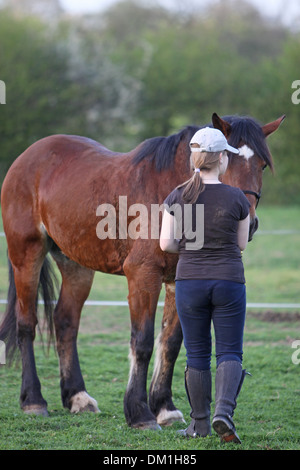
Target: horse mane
(162, 150)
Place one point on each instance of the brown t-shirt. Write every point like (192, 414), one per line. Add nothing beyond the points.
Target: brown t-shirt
(219, 256)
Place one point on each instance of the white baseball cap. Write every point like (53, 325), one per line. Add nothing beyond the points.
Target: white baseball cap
(211, 140)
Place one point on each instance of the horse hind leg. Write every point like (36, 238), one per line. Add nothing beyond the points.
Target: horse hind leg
(27, 259)
(144, 288)
(168, 346)
(76, 285)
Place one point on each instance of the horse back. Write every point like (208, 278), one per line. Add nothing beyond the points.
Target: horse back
(57, 185)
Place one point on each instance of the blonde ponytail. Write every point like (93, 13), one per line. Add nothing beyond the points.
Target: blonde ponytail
(195, 185)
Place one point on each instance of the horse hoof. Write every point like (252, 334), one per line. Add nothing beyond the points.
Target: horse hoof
(152, 425)
(83, 402)
(167, 417)
(36, 410)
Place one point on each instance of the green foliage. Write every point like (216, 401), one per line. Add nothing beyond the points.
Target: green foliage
(139, 71)
(39, 93)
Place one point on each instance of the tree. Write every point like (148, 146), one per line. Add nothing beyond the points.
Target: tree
(38, 90)
(138, 72)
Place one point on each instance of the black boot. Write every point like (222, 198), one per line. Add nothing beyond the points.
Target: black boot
(198, 389)
(229, 380)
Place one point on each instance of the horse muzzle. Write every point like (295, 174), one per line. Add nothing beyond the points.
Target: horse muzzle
(253, 227)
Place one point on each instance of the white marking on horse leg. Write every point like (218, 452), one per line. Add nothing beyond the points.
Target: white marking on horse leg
(157, 361)
(132, 370)
(167, 417)
(246, 152)
(170, 286)
(83, 402)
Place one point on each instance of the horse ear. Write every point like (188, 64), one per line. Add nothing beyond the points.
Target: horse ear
(272, 126)
(222, 125)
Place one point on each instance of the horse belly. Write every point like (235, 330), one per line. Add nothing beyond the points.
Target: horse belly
(86, 249)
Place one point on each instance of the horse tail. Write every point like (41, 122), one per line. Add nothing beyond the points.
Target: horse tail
(8, 327)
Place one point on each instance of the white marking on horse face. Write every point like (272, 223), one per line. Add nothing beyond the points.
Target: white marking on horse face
(246, 152)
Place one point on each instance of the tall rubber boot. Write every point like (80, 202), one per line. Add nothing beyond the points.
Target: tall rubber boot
(198, 389)
(229, 380)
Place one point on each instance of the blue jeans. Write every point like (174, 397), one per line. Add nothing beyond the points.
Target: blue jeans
(200, 302)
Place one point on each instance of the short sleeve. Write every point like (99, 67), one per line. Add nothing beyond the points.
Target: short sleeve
(172, 200)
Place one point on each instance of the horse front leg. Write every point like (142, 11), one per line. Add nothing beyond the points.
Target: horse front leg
(143, 298)
(167, 349)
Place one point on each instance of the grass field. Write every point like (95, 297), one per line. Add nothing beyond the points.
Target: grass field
(268, 411)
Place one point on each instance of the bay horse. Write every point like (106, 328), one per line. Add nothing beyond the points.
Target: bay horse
(49, 199)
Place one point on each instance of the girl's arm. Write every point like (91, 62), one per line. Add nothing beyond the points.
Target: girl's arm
(167, 239)
(243, 233)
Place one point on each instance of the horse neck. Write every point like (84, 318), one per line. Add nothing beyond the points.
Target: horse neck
(181, 171)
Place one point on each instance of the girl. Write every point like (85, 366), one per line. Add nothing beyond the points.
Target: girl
(210, 283)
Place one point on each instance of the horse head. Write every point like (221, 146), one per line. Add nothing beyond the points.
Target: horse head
(250, 138)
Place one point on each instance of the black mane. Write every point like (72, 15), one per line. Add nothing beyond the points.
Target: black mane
(162, 150)
(249, 131)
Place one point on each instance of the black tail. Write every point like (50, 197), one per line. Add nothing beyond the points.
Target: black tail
(8, 327)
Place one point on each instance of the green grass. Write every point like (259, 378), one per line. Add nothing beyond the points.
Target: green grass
(267, 415)
(272, 261)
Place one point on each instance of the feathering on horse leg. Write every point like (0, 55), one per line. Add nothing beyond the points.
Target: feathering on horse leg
(168, 346)
(136, 408)
(143, 298)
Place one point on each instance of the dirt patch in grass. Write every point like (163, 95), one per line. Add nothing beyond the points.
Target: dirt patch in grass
(275, 317)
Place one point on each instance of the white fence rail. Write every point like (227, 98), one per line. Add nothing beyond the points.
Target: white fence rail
(124, 303)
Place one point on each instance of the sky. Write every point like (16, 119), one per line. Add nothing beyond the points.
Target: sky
(287, 9)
